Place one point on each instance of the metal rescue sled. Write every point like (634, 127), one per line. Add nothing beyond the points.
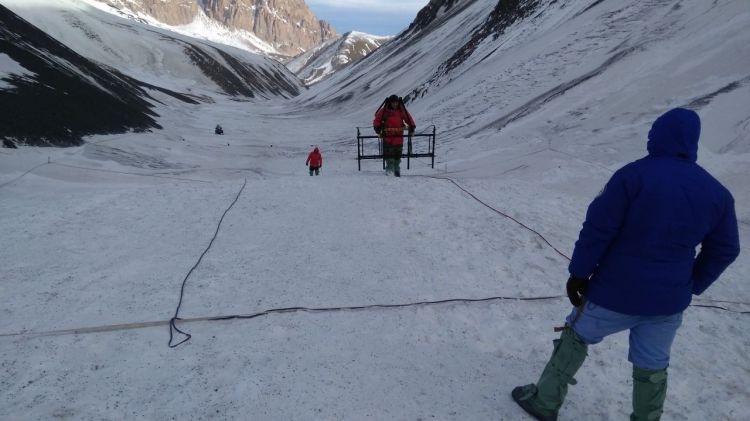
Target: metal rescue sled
(414, 149)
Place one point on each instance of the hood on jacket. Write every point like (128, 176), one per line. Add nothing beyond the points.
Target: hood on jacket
(675, 133)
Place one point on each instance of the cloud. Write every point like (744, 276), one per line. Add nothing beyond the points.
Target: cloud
(407, 6)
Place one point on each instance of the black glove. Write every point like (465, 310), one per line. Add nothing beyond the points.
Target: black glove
(576, 287)
(411, 131)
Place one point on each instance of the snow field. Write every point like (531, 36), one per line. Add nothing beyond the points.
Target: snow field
(106, 243)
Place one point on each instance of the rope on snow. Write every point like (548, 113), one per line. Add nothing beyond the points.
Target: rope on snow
(21, 176)
(172, 326)
(503, 214)
(143, 325)
(172, 322)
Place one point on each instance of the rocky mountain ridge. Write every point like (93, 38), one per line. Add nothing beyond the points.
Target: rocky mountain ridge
(289, 27)
(319, 63)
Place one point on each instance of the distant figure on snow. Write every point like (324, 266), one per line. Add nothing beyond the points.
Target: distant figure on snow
(218, 130)
(389, 123)
(634, 265)
(314, 161)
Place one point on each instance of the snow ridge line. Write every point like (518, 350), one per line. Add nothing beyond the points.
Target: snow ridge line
(172, 326)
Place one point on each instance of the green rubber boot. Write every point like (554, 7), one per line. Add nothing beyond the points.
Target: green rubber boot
(544, 399)
(388, 166)
(649, 393)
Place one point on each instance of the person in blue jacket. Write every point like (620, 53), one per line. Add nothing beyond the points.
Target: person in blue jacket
(634, 266)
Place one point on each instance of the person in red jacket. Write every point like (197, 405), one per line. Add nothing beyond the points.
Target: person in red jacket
(389, 123)
(314, 161)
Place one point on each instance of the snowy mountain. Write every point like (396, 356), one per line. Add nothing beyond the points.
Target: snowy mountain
(493, 74)
(319, 63)
(147, 60)
(274, 27)
(49, 95)
(535, 103)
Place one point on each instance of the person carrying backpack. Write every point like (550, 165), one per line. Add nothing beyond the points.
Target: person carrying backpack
(389, 123)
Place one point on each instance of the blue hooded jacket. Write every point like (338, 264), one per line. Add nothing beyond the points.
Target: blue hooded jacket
(639, 240)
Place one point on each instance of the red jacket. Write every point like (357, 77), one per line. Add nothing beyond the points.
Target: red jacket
(394, 121)
(314, 159)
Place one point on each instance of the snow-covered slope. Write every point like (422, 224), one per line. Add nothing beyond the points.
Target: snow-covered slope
(557, 78)
(536, 103)
(49, 95)
(317, 64)
(141, 58)
(157, 56)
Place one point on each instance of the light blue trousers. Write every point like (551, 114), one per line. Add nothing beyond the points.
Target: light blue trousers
(651, 337)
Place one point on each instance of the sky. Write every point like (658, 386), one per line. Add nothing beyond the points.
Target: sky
(376, 17)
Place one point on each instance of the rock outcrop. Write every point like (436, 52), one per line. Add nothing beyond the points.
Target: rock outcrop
(288, 25)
